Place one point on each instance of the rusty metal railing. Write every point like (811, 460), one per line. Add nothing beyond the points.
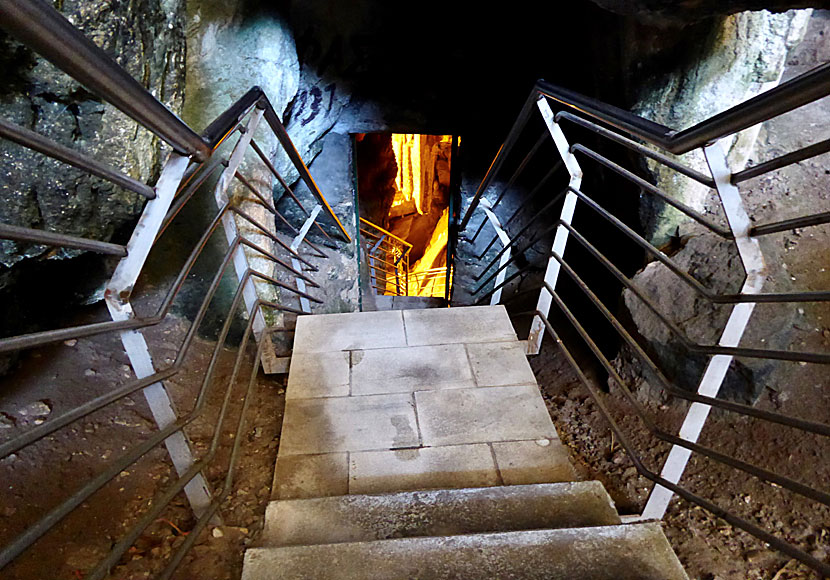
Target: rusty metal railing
(521, 237)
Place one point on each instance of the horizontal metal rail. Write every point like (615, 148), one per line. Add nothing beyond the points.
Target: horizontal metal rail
(792, 356)
(538, 236)
(401, 241)
(636, 147)
(717, 298)
(782, 161)
(505, 282)
(654, 190)
(556, 199)
(41, 144)
(774, 541)
(288, 146)
(221, 127)
(43, 237)
(516, 174)
(273, 210)
(532, 195)
(790, 224)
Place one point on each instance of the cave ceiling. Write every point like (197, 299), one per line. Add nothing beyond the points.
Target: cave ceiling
(688, 11)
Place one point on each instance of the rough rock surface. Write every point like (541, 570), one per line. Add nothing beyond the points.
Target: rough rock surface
(675, 11)
(743, 56)
(232, 48)
(147, 39)
(715, 263)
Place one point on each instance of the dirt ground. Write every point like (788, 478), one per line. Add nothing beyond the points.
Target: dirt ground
(709, 548)
(51, 380)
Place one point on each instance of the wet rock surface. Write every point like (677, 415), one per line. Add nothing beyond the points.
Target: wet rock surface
(674, 11)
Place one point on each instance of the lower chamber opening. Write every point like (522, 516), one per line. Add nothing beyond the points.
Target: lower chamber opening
(403, 185)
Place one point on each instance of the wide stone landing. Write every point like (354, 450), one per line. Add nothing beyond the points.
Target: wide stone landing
(416, 399)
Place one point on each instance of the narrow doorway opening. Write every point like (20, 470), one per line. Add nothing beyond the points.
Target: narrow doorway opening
(404, 193)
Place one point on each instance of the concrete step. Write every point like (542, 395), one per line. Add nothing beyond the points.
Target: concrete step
(623, 552)
(360, 518)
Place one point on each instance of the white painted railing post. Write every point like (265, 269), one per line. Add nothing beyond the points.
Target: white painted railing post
(753, 261)
(495, 298)
(240, 260)
(117, 298)
(537, 328)
(305, 305)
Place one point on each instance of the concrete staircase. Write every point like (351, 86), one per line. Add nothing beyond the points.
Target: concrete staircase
(416, 444)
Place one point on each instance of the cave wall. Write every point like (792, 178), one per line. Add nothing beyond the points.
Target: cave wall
(328, 66)
(688, 11)
(232, 48)
(147, 38)
(737, 58)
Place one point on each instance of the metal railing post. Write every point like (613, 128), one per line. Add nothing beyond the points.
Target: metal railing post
(710, 383)
(537, 328)
(240, 260)
(501, 156)
(495, 298)
(305, 305)
(117, 297)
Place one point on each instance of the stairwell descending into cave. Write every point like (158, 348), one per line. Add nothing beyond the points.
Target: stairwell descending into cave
(242, 401)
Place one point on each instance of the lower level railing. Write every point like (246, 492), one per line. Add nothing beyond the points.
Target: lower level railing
(431, 283)
(387, 257)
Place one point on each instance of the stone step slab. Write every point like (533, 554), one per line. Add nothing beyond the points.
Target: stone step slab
(360, 518)
(623, 552)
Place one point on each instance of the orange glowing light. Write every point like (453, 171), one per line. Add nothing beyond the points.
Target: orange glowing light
(407, 149)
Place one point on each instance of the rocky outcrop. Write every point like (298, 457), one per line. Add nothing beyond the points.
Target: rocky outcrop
(743, 56)
(36, 282)
(146, 36)
(715, 263)
(673, 11)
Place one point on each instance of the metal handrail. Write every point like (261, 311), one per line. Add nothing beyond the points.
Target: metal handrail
(631, 452)
(783, 98)
(739, 229)
(388, 233)
(387, 245)
(39, 26)
(42, 28)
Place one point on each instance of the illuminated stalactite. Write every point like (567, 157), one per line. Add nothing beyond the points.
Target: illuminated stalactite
(409, 179)
(416, 210)
(427, 276)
